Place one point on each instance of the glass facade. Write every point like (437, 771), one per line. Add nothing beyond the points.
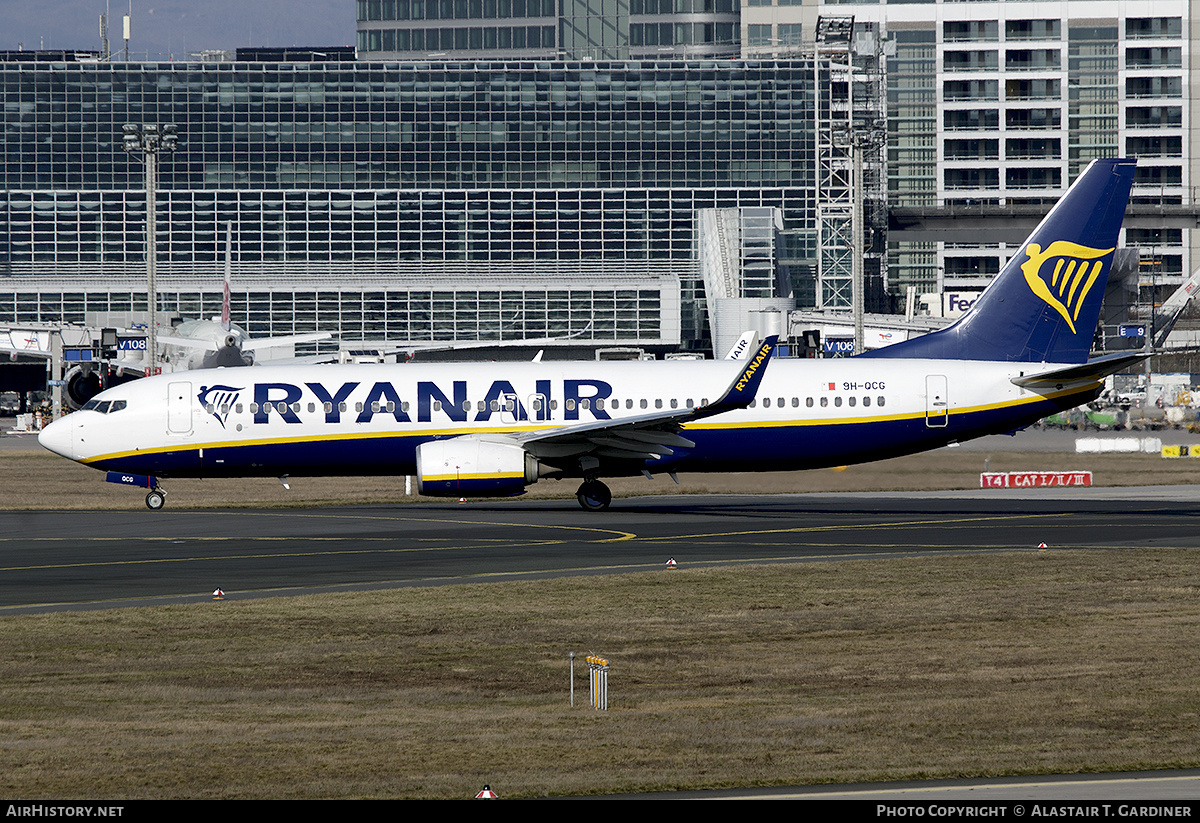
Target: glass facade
(345, 179)
(574, 29)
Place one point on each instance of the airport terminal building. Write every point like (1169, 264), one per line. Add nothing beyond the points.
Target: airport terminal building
(428, 201)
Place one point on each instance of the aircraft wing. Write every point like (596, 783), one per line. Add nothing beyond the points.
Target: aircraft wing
(272, 342)
(649, 436)
(1092, 371)
(187, 342)
(302, 360)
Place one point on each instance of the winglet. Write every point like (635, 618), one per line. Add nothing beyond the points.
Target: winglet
(744, 388)
(743, 346)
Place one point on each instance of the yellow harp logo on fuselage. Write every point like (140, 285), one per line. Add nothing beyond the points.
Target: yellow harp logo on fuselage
(1074, 271)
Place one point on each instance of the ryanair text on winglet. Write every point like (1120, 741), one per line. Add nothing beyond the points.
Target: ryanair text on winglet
(763, 351)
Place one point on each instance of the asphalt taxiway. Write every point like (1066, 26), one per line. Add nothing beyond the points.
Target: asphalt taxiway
(52, 560)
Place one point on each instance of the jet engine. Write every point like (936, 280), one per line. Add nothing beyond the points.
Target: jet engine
(468, 466)
(84, 382)
(81, 386)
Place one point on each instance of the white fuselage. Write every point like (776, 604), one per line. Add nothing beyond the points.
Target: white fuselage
(369, 419)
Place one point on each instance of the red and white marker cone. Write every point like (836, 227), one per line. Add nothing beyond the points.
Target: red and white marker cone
(671, 563)
(487, 794)
(218, 595)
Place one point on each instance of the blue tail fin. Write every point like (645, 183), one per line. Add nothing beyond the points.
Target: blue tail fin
(1045, 303)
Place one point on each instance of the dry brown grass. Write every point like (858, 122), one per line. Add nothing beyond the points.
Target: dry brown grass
(39, 480)
(839, 671)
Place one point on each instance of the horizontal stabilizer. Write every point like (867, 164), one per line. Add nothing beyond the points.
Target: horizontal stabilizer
(1092, 371)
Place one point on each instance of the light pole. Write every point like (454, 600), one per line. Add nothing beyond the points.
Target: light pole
(151, 140)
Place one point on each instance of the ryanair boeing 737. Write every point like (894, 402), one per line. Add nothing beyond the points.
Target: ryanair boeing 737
(1019, 354)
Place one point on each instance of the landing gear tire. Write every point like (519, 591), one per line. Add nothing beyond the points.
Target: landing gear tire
(594, 496)
(156, 499)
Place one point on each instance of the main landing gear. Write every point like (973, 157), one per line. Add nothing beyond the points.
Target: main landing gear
(156, 499)
(594, 496)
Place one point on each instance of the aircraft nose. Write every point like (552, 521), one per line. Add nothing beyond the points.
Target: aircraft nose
(59, 438)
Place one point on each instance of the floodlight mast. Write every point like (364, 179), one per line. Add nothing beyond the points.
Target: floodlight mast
(150, 140)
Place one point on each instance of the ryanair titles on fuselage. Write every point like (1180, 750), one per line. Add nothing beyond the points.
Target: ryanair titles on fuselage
(453, 402)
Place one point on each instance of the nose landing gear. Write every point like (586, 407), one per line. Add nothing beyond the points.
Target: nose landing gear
(156, 499)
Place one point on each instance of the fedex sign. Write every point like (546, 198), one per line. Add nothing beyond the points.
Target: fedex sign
(956, 304)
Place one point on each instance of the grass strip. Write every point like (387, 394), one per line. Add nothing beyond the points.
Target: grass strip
(1022, 663)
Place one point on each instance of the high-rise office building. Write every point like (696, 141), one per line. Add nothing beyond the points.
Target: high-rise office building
(1001, 104)
(524, 29)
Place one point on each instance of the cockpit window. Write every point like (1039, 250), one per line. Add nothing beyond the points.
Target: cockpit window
(104, 406)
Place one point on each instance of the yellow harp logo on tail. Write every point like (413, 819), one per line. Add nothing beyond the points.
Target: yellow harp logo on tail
(1074, 271)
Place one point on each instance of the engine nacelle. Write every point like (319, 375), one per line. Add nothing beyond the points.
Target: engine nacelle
(466, 466)
(81, 386)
